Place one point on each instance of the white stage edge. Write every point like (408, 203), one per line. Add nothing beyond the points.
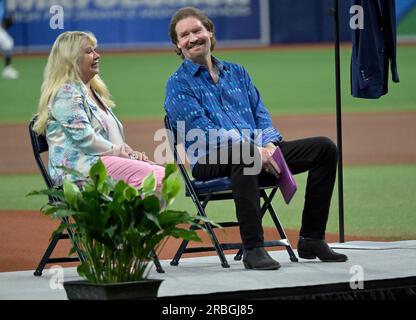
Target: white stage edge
(368, 261)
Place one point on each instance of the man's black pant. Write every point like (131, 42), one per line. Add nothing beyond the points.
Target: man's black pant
(317, 155)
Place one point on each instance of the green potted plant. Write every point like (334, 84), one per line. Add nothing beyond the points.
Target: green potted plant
(117, 230)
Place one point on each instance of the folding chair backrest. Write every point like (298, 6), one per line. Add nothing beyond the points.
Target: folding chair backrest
(173, 142)
(39, 146)
(180, 162)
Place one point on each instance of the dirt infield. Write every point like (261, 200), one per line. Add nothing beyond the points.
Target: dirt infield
(368, 138)
(24, 237)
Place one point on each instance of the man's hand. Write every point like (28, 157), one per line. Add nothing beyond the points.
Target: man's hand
(267, 161)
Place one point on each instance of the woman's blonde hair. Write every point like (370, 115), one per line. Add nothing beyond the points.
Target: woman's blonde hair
(63, 67)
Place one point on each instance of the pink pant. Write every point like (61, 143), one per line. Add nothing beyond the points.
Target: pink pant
(132, 171)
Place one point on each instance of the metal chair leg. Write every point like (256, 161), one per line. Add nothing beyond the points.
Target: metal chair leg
(46, 258)
(47, 254)
(239, 255)
(211, 233)
(156, 261)
(267, 200)
(278, 225)
(179, 252)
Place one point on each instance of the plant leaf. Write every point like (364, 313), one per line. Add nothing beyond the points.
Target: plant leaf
(118, 194)
(169, 169)
(62, 213)
(52, 192)
(98, 174)
(49, 210)
(185, 234)
(172, 217)
(149, 183)
(153, 217)
(170, 188)
(130, 193)
(151, 204)
(71, 193)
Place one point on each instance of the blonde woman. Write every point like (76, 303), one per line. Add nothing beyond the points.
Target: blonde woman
(76, 117)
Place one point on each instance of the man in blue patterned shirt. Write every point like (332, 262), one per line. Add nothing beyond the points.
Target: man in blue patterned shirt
(219, 114)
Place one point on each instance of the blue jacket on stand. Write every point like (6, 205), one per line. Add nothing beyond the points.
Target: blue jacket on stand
(373, 48)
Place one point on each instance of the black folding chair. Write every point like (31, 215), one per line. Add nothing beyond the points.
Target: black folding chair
(40, 145)
(201, 192)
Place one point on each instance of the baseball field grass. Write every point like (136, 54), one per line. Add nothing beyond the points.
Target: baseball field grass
(291, 81)
(379, 200)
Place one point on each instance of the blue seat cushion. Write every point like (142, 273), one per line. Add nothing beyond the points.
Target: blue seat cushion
(212, 185)
(221, 185)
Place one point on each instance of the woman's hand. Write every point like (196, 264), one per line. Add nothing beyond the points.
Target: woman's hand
(124, 152)
(129, 153)
(127, 148)
(137, 155)
(141, 156)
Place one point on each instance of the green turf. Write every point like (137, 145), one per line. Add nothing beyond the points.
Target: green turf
(290, 81)
(379, 201)
(408, 25)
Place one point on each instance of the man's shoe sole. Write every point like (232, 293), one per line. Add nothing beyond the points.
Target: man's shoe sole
(334, 260)
(309, 257)
(247, 266)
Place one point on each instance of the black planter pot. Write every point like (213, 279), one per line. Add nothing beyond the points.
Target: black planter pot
(84, 290)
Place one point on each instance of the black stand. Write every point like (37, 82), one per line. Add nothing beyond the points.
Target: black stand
(339, 121)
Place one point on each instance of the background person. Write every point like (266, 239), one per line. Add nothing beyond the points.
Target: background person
(75, 114)
(207, 93)
(6, 43)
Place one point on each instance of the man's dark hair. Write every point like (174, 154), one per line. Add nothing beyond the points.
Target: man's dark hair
(187, 12)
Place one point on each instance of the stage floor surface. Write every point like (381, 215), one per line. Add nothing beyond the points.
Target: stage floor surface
(370, 264)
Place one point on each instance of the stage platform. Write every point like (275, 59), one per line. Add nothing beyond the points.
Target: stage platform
(374, 269)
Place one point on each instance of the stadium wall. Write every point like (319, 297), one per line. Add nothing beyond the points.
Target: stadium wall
(141, 24)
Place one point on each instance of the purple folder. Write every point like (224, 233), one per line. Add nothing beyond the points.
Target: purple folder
(285, 182)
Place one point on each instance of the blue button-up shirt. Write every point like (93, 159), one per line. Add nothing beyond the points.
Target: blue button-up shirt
(229, 111)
